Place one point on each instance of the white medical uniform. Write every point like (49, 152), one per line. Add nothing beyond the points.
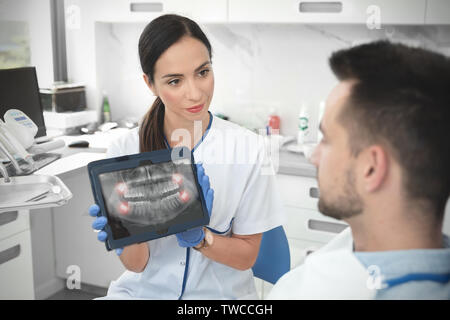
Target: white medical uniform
(332, 272)
(245, 203)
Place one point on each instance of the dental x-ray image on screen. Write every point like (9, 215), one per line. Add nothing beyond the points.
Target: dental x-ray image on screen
(149, 196)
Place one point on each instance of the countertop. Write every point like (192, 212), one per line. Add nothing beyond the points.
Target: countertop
(77, 158)
(289, 163)
(295, 164)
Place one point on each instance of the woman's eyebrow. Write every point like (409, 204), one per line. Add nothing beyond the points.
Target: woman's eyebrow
(202, 65)
(172, 75)
(180, 75)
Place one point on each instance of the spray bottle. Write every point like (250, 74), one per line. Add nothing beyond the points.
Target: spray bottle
(303, 125)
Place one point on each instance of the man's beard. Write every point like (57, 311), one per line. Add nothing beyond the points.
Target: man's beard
(346, 205)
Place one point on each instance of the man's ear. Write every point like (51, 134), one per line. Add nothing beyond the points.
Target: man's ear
(375, 167)
(149, 84)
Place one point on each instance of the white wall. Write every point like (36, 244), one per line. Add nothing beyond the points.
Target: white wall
(37, 15)
(256, 66)
(118, 70)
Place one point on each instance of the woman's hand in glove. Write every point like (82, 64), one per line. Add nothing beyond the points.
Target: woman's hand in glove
(191, 238)
(99, 224)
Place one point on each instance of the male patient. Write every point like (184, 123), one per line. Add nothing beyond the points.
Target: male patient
(384, 168)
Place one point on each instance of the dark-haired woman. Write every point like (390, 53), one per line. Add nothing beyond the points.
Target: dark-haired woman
(215, 262)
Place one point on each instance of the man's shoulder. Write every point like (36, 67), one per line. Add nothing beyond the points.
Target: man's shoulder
(332, 272)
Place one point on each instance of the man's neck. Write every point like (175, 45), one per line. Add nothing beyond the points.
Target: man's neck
(386, 231)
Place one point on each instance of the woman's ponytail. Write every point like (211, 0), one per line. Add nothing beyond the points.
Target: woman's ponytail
(151, 132)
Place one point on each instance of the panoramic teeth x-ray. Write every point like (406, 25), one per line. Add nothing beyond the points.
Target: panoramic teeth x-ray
(149, 195)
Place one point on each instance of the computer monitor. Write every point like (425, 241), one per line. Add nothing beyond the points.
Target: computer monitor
(19, 90)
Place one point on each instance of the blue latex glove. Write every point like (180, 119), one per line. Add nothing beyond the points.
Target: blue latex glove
(99, 224)
(191, 238)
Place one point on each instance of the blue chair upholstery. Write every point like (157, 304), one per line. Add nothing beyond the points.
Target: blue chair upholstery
(274, 259)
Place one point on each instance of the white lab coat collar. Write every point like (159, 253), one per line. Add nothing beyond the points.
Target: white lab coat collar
(332, 272)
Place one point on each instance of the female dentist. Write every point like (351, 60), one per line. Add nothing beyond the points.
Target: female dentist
(214, 262)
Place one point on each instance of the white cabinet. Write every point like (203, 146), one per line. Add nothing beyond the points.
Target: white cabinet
(200, 10)
(306, 228)
(145, 11)
(76, 243)
(13, 222)
(311, 225)
(298, 191)
(437, 12)
(305, 224)
(409, 12)
(16, 263)
(314, 11)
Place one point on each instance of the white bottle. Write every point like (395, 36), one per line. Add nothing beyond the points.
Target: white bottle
(303, 126)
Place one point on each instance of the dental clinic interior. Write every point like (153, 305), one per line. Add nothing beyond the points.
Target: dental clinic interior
(74, 67)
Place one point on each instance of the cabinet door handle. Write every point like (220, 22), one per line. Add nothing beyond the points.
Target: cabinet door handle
(325, 226)
(320, 7)
(7, 217)
(9, 254)
(146, 7)
(314, 192)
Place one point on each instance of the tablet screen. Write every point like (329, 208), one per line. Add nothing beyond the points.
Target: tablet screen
(150, 197)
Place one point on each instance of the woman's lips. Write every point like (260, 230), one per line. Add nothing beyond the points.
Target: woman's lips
(196, 109)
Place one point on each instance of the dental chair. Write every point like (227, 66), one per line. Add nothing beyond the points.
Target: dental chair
(274, 259)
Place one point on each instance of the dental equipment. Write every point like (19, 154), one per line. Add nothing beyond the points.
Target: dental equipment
(4, 152)
(4, 173)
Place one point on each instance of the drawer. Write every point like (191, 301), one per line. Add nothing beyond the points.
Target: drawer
(16, 267)
(311, 225)
(298, 191)
(13, 222)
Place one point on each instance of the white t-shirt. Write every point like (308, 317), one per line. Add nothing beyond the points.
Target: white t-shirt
(245, 202)
(332, 272)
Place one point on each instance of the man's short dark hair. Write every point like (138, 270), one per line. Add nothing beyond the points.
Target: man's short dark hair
(401, 99)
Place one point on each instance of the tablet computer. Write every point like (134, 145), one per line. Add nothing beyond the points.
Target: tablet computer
(148, 195)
